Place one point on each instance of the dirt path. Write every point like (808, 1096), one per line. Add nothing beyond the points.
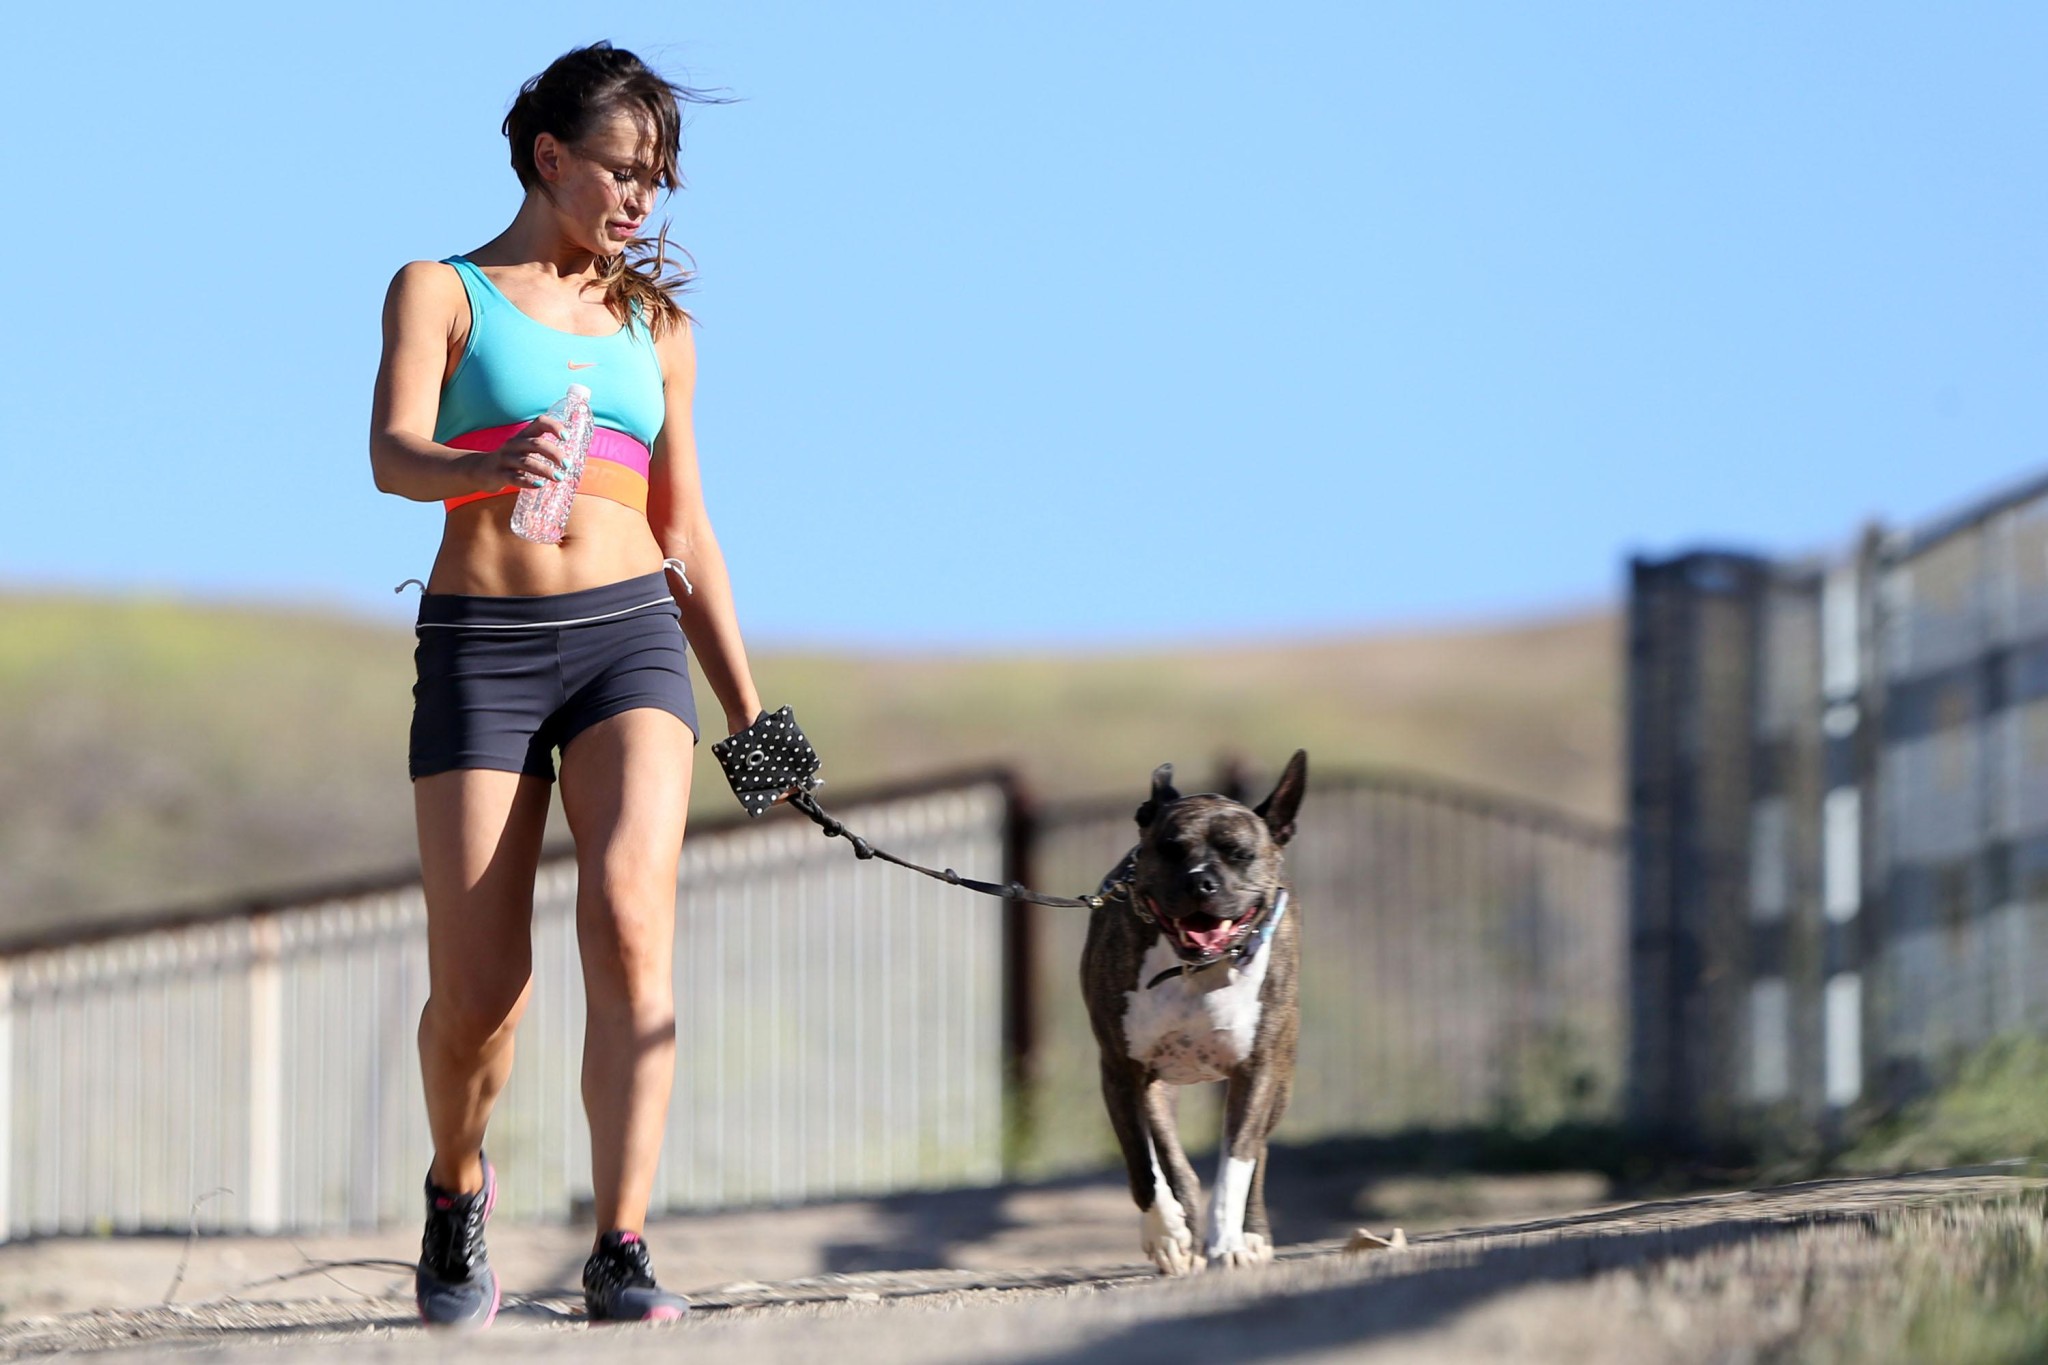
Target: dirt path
(1699, 1279)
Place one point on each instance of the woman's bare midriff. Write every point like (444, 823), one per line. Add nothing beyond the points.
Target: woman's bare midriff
(606, 542)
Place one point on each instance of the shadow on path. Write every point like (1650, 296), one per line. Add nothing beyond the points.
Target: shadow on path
(1404, 1300)
(1312, 1194)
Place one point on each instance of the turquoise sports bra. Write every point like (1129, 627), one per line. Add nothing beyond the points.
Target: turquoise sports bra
(513, 369)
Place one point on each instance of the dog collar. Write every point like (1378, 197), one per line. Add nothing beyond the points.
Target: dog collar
(1247, 948)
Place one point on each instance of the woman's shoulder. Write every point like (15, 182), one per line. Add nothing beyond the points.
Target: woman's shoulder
(427, 292)
(427, 276)
(674, 344)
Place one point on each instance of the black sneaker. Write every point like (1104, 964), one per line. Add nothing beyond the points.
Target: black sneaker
(618, 1284)
(455, 1285)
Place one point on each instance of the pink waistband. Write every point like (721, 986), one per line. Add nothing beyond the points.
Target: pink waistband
(605, 444)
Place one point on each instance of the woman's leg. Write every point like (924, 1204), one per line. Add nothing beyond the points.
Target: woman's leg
(626, 792)
(480, 835)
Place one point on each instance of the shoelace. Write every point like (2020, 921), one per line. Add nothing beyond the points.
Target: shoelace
(453, 1246)
(619, 1265)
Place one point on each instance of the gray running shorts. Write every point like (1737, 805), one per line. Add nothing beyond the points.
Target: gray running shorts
(504, 681)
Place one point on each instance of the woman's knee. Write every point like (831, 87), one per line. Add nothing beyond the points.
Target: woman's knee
(629, 896)
(472, 1019)
(629, 960)
(634, 973)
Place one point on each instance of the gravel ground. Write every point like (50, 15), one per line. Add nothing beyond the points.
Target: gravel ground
(1745, 1276)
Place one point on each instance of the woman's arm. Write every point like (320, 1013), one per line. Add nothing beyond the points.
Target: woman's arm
(675, 509)
(420, 311)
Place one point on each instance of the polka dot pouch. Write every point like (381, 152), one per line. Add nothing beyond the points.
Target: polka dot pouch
(768, 761)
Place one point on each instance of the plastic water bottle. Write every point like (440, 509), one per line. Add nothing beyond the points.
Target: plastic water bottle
(540, 514)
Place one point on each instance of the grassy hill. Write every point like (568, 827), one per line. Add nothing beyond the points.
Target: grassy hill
(158, 754)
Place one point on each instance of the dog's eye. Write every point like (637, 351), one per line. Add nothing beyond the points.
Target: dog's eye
(1236, 853)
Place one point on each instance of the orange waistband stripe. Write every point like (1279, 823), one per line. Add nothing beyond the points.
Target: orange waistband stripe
(604, 475)
(601, 479)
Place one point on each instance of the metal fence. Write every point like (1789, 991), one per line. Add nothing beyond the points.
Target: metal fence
(839, 1033)
(1464, 959)
(1839, 808)
(844, 1028)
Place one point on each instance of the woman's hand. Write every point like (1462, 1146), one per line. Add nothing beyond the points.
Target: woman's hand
(532, 459)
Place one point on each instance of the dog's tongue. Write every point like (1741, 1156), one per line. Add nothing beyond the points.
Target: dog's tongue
(1211, 940)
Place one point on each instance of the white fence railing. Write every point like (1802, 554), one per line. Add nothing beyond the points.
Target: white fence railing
(840, 1031)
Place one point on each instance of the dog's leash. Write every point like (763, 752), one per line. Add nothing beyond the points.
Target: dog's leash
(1116, 886)
(1012, 891)
(772, 761)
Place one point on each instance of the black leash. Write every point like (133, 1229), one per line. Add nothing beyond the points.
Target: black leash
(772, 760)
(1116, 886)
(1014, 891)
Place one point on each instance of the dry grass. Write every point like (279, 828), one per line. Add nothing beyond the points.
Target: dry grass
(1532, 709)
(163, 753)
(1994, 1109)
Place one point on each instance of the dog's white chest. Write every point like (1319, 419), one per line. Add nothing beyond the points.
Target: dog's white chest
(1192, 1028)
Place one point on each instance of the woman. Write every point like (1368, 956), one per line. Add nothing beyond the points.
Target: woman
(525, 648)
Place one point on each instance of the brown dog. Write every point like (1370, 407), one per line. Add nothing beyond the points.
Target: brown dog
(1193, 974)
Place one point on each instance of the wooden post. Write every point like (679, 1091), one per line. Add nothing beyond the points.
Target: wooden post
(1020, 980)
(266, 1077)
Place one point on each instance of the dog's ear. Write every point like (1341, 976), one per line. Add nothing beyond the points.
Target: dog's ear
(1162, 794)
(1278, 809)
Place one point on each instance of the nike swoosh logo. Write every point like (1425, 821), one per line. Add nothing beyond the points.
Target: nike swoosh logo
(584, 366)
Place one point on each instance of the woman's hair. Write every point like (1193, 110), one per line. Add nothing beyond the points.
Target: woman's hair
(581, 88)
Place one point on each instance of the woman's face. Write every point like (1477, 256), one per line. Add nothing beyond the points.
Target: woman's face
(604, 186)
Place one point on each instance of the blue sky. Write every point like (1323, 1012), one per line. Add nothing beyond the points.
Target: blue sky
(1029, 325)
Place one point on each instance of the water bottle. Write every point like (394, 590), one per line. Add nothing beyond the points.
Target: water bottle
(540, 514)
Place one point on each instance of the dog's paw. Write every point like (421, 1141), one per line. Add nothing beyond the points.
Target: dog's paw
(1169, 1244)
(1253, 1250)
(1176, 1258)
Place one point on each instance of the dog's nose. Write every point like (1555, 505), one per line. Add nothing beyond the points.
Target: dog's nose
(1203, 882)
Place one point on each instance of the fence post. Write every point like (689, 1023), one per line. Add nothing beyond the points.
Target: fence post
(1692, 686)
(1020, 979)
(1860, 935)
(1786, 1046)
(1848, 809)
(1656, 662)
(266, 1076)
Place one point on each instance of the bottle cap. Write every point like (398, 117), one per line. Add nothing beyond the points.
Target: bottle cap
(579, 393)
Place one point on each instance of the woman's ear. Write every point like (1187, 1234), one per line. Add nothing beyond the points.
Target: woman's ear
(547, 156)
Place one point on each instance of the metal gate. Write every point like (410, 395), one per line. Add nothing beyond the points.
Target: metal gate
(1839, 808)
